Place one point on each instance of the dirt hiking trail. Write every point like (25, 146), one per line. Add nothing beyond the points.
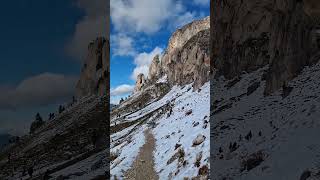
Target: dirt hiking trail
(143, 166)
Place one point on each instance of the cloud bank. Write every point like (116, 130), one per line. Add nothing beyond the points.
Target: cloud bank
(143, 61)
(39, 90)
(145, 16)
(121, 90)
(122, 45)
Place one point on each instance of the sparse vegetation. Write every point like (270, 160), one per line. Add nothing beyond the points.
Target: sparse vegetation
(36, 124)
(61, 109)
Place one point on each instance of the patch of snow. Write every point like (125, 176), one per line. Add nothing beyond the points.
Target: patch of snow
(289, 127)
(163, 79)
(127, 150)
(181, 130)
(178, 127)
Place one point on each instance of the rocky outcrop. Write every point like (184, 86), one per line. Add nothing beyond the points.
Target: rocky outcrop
(193, 63)
(140, 83)
(182, 35)
(248, 35)
(155, 70)
(93, 78)
(186, 59)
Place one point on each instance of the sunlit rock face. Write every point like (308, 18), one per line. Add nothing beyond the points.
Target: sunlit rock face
(140, 83)
(93, 78)
(186, 59)
(155, 70)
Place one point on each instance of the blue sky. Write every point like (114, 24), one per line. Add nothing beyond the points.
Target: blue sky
(42, 45)
(139, 30)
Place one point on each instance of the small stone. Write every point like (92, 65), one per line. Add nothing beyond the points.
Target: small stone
(204, 170)
(189, 112)
(195, 124)
(177, 146)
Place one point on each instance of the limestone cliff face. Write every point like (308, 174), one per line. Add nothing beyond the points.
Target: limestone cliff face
(140, 83)
(155, 70)
(248, 35)
(182, 35)
(191, 63)
(186, 59)
(93, 79)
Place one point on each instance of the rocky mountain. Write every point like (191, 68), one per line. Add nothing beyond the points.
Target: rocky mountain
(73, 143)
(162, 129)
(186, 59)
(93, 78)
(252, 34)
(265, 69)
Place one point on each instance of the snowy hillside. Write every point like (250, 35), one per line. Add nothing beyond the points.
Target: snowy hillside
(63, 145)
(266, 137)
(179, 126)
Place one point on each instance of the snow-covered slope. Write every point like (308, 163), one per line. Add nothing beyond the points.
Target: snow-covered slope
(63, 145)
(175, 121)
(266, 137)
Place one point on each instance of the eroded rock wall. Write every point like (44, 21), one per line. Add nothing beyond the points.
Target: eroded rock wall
(94, 75)
(186, 59)
(248, 35)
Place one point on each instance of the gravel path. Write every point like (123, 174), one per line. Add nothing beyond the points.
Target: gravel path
(143, 166)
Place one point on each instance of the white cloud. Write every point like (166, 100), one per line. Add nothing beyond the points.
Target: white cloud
(39, 90)
(183, 19)
(202, 2)
(144, 69)
(94, 24)
(143, 61)
(122, 45)
(121, 90)
(130, 18)
(145, 16)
